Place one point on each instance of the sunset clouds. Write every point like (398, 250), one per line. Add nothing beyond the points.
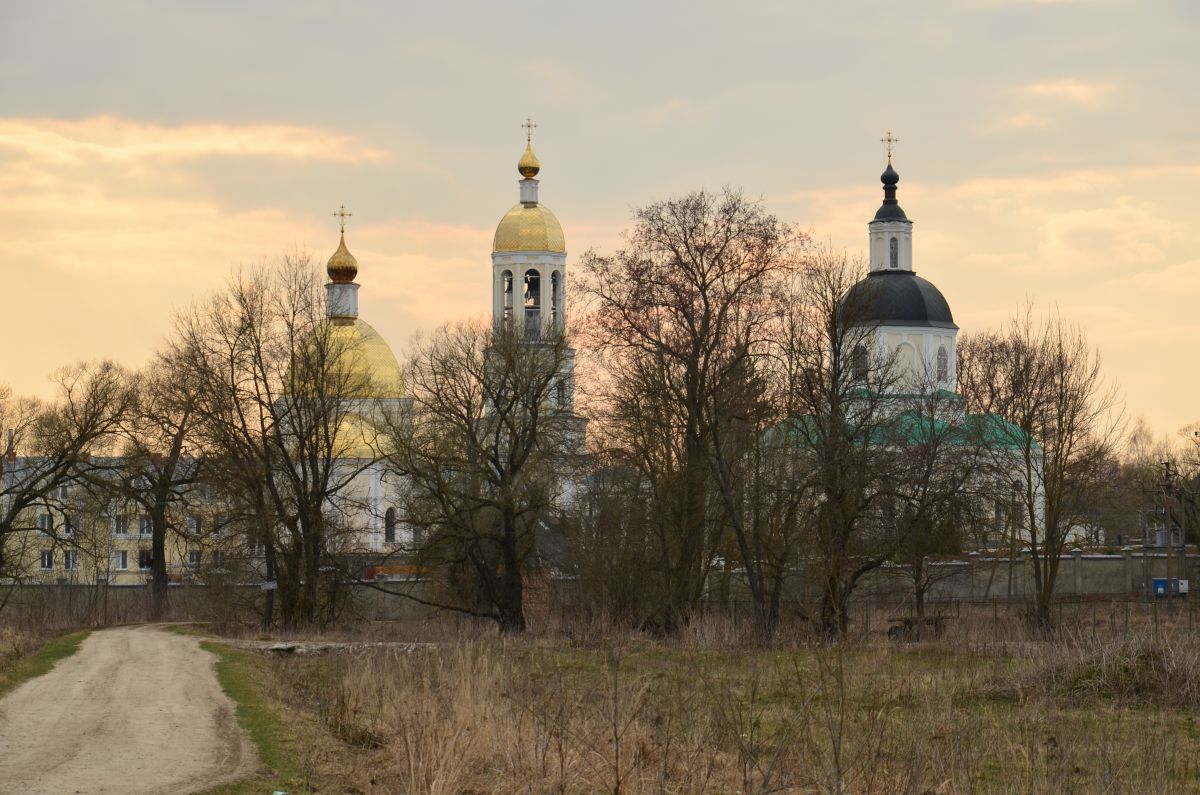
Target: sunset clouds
(1074, 92)
(1048, 151)
(107, 139)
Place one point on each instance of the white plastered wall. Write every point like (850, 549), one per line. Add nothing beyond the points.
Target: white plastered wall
(924, 341)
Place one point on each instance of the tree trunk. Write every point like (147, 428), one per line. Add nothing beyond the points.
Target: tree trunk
(774, 607)
(512, 596)
(289, 578)
(268, 617)
(158, 563)
(834, 620)
(920, 585)
(312, 578)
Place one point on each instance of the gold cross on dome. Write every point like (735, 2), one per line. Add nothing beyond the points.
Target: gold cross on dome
(891, 141)
(342, 215)
(528, 125)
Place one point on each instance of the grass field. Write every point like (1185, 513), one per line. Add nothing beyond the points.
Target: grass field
(1110, 712)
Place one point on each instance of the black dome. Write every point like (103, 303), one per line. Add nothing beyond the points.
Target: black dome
(896, 298)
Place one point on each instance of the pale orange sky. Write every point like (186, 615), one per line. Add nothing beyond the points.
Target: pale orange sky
(1048, 151)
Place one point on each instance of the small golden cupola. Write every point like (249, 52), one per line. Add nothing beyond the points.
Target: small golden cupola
(342, 266)
(528, 165)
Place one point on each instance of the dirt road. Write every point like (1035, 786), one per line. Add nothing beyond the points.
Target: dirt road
(135, 710)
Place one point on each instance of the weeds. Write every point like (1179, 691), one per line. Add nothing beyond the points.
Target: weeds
(616, 713)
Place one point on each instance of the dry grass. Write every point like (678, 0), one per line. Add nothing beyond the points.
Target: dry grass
(707, 712)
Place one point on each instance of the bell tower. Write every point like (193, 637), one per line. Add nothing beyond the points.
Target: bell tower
(529, 271)
(890, 231)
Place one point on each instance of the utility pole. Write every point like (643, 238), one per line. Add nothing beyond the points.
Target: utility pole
(1166, 506)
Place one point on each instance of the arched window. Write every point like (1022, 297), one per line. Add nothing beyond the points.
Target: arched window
(507, 288)
(858, 363)
(943, 365)
(389, 526)
(895, 253)
(533, 303)
(555, 299)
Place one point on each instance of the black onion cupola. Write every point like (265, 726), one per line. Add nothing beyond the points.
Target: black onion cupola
(914, 322)
(890, 210)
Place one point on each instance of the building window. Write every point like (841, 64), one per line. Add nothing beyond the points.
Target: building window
(120, 558)
(145, 559)
(389, 526)
(507, 290)
(858, 363)
(895, 253)
(193, 525)
(70, 559)
(193, 559)
(145, 526)
(70, 525)
(533, 304)
(218, 558)
(562, 393)
(45, 523)
(120, 525)
(943, 365)
(47, 559)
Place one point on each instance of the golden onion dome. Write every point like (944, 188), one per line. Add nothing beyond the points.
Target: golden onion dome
(342, 267)
(368, 368)
(529, 227)
(371, 365)
(528, 165)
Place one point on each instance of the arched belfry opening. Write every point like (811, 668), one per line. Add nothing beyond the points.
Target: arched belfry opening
(533, 303)
(556, 300)
(507, 289)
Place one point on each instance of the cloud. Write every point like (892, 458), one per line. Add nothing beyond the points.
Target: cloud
(1026, 121)
(106, 139)
(1003, 3)
(1102, 240)
(1075, 92)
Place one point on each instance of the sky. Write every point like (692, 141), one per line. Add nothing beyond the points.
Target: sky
(1048, 152)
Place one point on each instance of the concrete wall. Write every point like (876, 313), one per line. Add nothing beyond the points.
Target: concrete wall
(982, 577)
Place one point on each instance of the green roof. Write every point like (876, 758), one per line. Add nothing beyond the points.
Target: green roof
(911, 427)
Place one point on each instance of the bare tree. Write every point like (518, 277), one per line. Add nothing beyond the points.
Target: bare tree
(280, 392)
(485, 454)
(48, 445)
(681, 315)
(159, 461)
(837, 390)
(1044, 379)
